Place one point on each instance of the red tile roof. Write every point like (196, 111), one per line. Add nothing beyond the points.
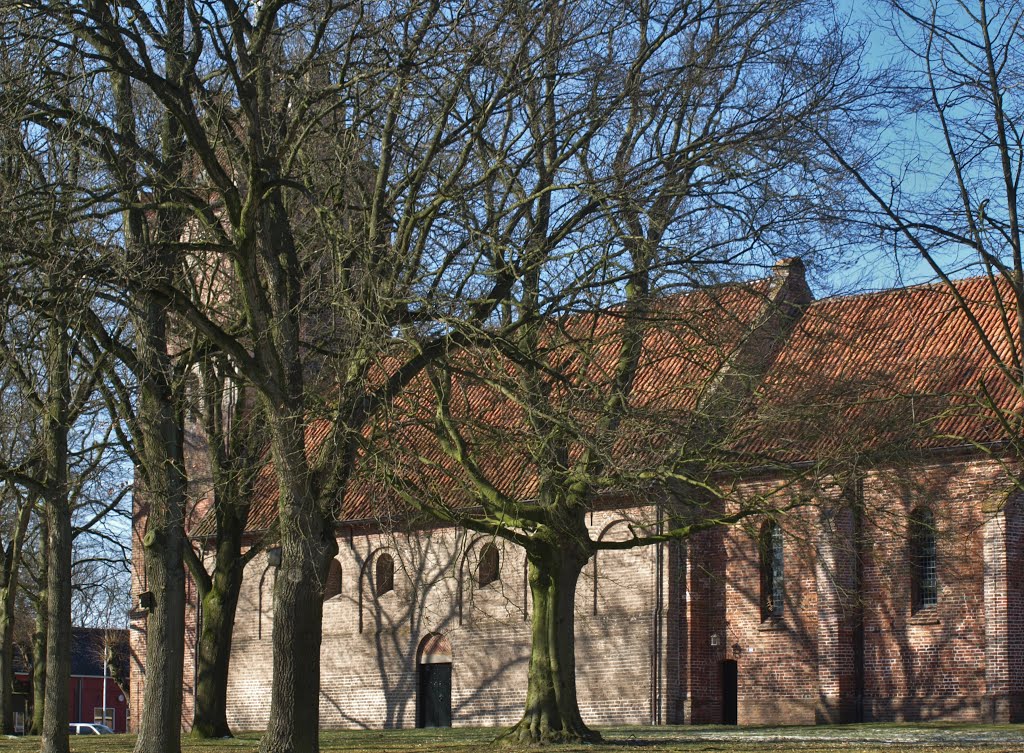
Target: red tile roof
(687, 339)
(857, 374)
(886, 371)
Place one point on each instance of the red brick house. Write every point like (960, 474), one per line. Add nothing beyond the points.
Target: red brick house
(898, 594)
(87, 701)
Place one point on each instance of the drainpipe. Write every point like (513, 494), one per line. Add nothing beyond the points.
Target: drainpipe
(105, 649)
(656, 626)
(195, 649)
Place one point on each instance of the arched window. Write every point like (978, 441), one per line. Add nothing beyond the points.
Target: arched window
(924, 576)
(772, 578)
(332, 586)
(488, 570)
(385, 574)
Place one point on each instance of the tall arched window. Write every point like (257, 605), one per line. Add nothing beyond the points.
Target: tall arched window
(924, 575)
(772, 577)
(385, 574)
(488, 570)
(332, 586)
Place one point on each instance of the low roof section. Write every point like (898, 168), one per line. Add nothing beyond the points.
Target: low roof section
(695, 345)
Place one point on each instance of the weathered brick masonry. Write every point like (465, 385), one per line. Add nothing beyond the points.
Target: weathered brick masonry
(847, 647)
(369, 672)
(661, 630)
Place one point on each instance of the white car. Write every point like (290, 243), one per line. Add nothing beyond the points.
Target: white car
(87, 728)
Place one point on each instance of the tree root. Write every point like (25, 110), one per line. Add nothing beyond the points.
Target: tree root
(534, 732)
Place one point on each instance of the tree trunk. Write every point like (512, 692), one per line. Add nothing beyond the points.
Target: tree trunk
(164, 483)
(233, 465)
(39, 635)
(8, 599)
(307, 544)
(160, 727)
(214, 653)
(295, 691)
(58, 625)
(150, 240)
(552, 710)
(6, 662)
(58, 521)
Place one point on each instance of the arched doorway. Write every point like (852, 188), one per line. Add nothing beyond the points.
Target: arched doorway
(434, 669)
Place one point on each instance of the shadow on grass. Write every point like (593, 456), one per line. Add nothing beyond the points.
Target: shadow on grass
(854, 738)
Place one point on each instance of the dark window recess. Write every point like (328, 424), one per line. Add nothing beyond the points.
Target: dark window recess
(488, 571)
(385, 574)
(332, 586)
(924, 572)
(772, 574)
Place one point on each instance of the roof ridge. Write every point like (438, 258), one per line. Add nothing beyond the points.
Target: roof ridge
(901, 290)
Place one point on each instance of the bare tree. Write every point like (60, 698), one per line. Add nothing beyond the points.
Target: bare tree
(591, 381)
(47, 300)
(372, 188)
(232, 100)
(388, 106)
(942, 181)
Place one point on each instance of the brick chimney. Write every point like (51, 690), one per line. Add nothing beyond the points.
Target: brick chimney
(790, 292)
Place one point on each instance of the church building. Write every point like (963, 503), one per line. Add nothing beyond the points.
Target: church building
(896, 592)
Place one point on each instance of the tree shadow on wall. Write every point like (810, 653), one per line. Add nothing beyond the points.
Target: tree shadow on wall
(390, 615)
(852, 626)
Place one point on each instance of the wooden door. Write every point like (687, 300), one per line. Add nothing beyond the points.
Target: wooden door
(435, 695)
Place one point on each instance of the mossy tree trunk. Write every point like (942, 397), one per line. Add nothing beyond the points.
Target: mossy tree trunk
(552, 712)
(219, 598)
(210, 718)
(234, 451)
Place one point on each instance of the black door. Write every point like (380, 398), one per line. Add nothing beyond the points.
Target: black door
(730, 689)
(435, 696)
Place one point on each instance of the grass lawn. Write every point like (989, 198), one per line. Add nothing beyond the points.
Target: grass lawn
(862, 738)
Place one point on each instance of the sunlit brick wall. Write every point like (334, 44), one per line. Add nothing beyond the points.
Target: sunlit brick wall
(369, 676)
(846, 647)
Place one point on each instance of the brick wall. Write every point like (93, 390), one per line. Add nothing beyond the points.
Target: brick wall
(847, 646)
(776, 659)
(369, 676)
(933, 663)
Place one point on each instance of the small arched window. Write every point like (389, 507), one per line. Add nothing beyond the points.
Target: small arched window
(924, 574)
(488, 570)
(772, 575)
(384, 579)
(332, 586)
